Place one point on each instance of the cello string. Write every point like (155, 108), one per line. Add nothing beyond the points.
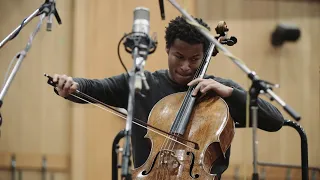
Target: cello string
(188, 98)
(192, 88)
(182, 110)
(167, 143)
(170, 145)
(176, 125)
(186, 102)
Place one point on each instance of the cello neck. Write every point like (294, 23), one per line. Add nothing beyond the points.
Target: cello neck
(182, 118)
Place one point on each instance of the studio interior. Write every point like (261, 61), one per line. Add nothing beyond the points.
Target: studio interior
(159, 89)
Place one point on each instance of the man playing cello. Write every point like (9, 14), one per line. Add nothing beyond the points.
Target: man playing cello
(185, 47)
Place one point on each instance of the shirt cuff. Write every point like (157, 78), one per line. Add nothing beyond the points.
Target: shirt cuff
(237, 96)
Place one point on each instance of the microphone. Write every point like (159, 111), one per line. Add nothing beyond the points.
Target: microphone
(139, 37)
(141, 18)
(49, 22)
(141, 24)
(139, 44)
(49, 8)
(161, 5)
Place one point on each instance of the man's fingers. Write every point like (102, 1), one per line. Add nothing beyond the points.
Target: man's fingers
(74, 87)
(65, 84)
(196, 89)
(61, 83)
(61, 92)
(68, 84)
(55, 78)
(195, 81)
(207, 88)
(58, 89)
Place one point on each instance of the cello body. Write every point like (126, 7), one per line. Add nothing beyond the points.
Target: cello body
(210, 126)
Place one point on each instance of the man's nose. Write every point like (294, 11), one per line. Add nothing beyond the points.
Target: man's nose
(185, 66)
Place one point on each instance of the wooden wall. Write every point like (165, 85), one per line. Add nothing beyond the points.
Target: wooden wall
(36, 122)
(295, 66)
(39, 122)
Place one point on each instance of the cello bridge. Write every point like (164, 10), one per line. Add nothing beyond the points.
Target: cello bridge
(169, 159)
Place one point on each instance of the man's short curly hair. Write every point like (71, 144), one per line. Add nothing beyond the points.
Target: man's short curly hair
(179, 29)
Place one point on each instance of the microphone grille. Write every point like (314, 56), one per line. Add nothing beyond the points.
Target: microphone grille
(141, 20)
(141, 13)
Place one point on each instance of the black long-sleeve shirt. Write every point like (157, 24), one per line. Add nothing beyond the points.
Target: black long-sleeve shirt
(114, 91)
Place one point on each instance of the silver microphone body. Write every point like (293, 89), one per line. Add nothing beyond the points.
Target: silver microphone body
(49, 22)
(141, 18)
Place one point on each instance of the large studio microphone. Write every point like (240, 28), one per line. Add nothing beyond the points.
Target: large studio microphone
(141, 25)
(139, 38)
(141, 18)
(139, 43)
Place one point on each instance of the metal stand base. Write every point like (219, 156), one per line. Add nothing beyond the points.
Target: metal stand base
(304, 147)
(115, 150)
(255, 176)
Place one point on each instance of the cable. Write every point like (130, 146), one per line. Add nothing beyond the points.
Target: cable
(10, 65)
(16, 34)
(123, 65)
(126, 35)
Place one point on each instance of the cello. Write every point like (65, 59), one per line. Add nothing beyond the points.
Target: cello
(203, 119)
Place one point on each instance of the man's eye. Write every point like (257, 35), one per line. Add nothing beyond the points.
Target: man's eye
(179, 57)
(195, 59)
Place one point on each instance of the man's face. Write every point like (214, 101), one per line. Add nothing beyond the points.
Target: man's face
(184, 60)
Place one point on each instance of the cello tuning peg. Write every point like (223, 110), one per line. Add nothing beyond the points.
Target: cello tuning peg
(222, 28)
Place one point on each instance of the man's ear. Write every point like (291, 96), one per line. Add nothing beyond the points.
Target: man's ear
(167, 50)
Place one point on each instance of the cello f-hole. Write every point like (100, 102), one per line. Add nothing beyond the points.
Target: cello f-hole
(147, 172)
(196, 176)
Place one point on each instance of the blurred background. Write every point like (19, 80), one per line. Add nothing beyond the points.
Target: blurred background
(43, 136)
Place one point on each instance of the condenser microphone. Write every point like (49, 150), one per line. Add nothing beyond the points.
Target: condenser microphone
(141, 18)
(141, 25)
(139, 37)
(49, 22)
(139, 43)
(49, 9)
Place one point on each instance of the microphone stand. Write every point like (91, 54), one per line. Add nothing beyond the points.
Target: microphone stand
(136, 80)
(135, 84)
(46, 9)
(257, 86)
